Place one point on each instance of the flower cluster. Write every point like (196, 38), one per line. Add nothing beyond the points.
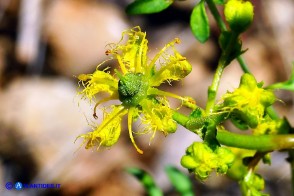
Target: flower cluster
(252, 184)
(247, 103)
(272, 126)
(135, 85)
(202, 160)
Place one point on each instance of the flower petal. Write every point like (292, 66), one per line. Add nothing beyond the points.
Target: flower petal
(175, 67)
(132, 55)
(133, 113)
(97, 82)
(249, 101)
(108, 132)
(158, 116)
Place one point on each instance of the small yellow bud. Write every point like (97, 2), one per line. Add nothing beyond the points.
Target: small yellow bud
(239, 14)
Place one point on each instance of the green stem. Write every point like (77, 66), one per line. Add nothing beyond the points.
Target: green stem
(181, 119)
(222, 26)
(272, 113)
(220, 23)
(212, 90)
(262, 143)
(243, 65)
(255, 160)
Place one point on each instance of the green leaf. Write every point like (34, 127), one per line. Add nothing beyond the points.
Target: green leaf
(146, 180)
(287, 85)
(148, 6)
(180, 181)
(199, 23)
(197, 113)
(220, 2)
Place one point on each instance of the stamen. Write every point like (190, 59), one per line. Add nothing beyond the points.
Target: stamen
(155, 91)
(157, 56)
(130, 121)
(98, 103)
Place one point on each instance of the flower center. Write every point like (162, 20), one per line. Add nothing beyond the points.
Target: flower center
(132, 89)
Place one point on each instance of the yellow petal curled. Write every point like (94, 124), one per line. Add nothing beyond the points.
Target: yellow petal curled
(97, 82)
(175, 67)
(131, 55)
(158, 116)
(108, 132)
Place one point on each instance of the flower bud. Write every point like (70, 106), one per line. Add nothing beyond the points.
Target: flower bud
(202, 160)
(239, 14)
(248, 103)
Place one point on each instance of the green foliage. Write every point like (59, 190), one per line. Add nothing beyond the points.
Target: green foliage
(148, 6)
(248, 107)
(220, 2)
(198, 119)
(146, 180)
(199, 122)
(199, 22)
(180, 181)
(287, 85)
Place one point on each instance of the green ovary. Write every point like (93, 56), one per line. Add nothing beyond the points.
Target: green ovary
(132, 89)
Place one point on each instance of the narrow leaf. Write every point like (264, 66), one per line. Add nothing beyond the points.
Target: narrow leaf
(220, 2)
(148, 6)
(199, 23)
(146, 180)
(287, 85)
(180, 181)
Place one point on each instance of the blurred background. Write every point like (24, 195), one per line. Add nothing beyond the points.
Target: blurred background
(45, 44)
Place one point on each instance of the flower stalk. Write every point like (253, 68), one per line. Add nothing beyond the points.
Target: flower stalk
(262, 143)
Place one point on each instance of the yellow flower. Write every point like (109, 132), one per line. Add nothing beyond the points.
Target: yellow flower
(247, 104)
(201, 159)
(135, 86)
